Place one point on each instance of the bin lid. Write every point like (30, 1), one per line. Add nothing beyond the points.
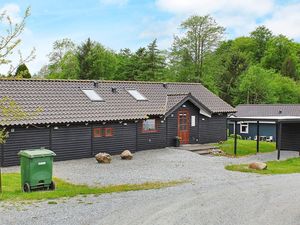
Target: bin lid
(35, 153)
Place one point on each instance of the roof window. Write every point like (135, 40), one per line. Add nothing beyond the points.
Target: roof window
(137, 95)
(93, 95)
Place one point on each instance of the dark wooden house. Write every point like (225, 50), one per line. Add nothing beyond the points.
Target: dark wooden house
(81, 118)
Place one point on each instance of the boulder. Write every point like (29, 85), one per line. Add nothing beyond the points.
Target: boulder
(126, 155)
(216, 151)
(258, 166)
(103, 157)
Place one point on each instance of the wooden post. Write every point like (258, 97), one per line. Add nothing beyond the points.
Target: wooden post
(0, 180)
(279, 140)
(235, 137)
(276, 135)
(258, 137)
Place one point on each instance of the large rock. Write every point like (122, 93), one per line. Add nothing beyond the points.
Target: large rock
(103, 157)
(258, 166)
(126, 155)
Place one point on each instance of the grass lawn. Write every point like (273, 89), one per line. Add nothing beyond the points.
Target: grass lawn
(274, 167)
(12, 189)
(246, 147)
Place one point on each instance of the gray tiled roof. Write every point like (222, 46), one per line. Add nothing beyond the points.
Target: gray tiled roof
(264, 110)
(63, 101)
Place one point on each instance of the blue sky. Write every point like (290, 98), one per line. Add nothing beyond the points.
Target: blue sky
(132, 23)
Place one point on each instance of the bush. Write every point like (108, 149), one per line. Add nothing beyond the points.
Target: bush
(237, 136)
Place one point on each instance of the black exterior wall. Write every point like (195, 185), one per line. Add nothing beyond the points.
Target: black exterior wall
(124, 137)
(152, 140)
(213, 129)
(289, 137)
(23, 138)
(76, 141)
(71, 142)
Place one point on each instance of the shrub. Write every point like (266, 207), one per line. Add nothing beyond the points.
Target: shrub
(237, 136)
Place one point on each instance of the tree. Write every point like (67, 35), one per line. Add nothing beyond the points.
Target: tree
(155, 62)
(83, 51)
(278, 49)
(201, 35)
(22, 72)
(261, 35)
(286, 90)
(288, 68)
(60, 49)
(10, 40)
(63, 62)
(231, 65)
(255, 86)
(125, 65)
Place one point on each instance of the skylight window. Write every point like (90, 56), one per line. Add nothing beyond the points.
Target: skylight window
(137, 95)
(92, 95)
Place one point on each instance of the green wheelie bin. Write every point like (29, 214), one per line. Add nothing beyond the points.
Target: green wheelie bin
(36, 169)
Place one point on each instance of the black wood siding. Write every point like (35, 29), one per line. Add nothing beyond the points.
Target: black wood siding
(124, 137)
(212, 130)
(290, 137)
(152, 140)
(172, 124)
(22, 139)
(73, 142)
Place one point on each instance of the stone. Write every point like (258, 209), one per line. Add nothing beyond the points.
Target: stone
(216, 151)
(258, 166)
(126, 155)
(103, 157)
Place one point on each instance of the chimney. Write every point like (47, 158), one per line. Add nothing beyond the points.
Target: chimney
(95, 84)
(114, 90)
(165, 85)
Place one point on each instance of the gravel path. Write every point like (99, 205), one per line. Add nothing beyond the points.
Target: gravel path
(215, 196)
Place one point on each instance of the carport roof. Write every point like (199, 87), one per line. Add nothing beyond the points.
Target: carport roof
(267, 118)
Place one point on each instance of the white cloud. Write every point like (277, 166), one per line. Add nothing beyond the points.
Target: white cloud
(244, 7)
(156, 29)
(286, 21)
(13, 11)
(238, 16)
(114, 2)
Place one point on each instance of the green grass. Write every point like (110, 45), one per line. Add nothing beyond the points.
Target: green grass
(246, 147)
(12, 189)
(274, 167)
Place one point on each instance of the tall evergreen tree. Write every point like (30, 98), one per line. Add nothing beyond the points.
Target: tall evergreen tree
(83, 52)
(22, 72)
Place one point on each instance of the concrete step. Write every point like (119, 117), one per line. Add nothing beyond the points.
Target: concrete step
(202, 152)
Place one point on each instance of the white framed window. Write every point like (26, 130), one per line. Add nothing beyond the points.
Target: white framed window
(92, 95)
(137, 95)
(244, 128)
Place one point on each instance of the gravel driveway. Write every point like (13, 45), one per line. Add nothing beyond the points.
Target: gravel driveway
(214, 196)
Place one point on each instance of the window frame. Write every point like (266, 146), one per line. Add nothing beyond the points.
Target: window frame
(111, 132)
(90, 93)
(132, 95)
(246, 130)
(102, 132)
(150, 131)
(97, 132)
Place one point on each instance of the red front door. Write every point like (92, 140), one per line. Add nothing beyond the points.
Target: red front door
(184, 126)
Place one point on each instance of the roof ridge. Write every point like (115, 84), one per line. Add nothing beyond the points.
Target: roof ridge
(100, 81)
(177, 94)
(276, 104)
